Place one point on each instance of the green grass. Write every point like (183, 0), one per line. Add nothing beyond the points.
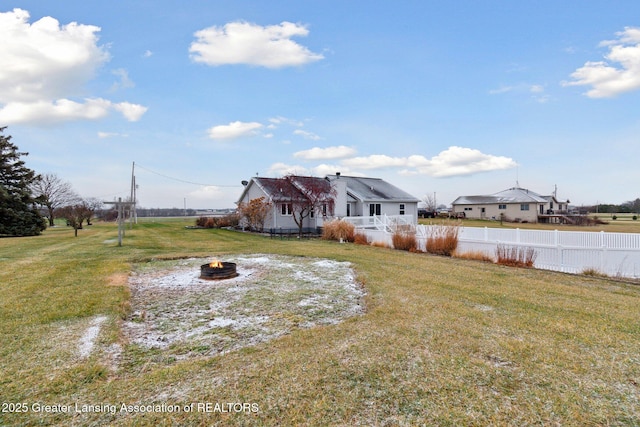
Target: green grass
(444, 341)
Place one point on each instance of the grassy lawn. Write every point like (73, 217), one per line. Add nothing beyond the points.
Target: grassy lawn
(443, 341)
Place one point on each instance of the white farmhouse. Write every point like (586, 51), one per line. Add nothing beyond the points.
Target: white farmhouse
(350, 196)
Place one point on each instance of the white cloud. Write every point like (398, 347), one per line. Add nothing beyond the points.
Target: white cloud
(207, 192)
(282, 169)
(62, 110)
(147, 54)
(245, 43)
(132, 112)
(124, 80)
(375, 161)
(103, 135)
(606, 80)
(454, 161)
(234, 130)
(500, 90)
(44, 64)
(284, 120)
(317, 153)
(306, 135)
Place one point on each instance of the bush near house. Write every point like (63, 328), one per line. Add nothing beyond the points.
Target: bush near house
(231, 220)
(338, 229)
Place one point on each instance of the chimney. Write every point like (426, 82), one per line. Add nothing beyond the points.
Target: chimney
(337, 175)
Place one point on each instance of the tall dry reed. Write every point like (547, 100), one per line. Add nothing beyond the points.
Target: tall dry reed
(443, 240)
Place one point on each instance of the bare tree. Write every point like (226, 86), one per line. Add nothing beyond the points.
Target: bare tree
(75, 215)
(308, 196)
(52, 192)
(255, 212)
(430, 202)
(92, 204)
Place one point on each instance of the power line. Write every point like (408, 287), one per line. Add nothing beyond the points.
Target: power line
(182, 180)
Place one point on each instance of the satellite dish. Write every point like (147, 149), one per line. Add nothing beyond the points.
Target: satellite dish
(245, 183)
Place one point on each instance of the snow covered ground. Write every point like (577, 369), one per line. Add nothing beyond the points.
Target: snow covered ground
(176, 311)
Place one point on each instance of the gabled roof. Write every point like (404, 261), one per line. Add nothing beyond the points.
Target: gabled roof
(373, 190)
(281, 190)
(512, 195)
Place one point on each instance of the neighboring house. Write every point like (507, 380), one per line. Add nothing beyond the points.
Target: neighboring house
(515, 204)
(350, 196)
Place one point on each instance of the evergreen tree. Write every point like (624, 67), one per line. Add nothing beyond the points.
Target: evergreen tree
(18, 214)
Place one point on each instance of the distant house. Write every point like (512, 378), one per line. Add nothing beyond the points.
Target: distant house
(350, 196)
(514, 204)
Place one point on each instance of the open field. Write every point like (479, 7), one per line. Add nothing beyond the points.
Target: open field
(442, 342)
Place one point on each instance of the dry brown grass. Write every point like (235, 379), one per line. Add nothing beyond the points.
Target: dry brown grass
(473, 255)
(443, 240)
(404, 241)
(338, 230)
(361, 239)
(380, 245)
(444, 341)
(515, 256)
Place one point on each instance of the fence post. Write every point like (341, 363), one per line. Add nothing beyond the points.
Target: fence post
(486, 234)
(517, 235)
(560, 257)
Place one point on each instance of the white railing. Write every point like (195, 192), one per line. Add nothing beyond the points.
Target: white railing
(386, 223)
(613, 254)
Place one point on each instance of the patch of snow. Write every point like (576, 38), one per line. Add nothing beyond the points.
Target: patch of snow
(174, 310)
(87, 341)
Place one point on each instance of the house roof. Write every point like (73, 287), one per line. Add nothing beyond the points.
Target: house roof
(511, 195)
(373, 190)
(280, 190)
(358, 188)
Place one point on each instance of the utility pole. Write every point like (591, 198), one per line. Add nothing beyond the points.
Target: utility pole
(120, 205)
(133, 212)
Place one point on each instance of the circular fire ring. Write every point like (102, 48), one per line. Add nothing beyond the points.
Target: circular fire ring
(227, 271)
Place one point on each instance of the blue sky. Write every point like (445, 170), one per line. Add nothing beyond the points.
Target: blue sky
(456, 98)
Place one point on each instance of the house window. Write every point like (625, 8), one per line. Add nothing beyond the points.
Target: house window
(375, 209)
(502, 207)
(285, 209)
(348, 209)
(324, 209)
(468, 209)
(401, 208)
(524, 207)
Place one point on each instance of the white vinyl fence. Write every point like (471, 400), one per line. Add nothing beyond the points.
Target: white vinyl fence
(613, 254)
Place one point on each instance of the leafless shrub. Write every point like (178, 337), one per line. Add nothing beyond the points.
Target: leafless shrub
(405, 241)
(515, 256)
(443, 240)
